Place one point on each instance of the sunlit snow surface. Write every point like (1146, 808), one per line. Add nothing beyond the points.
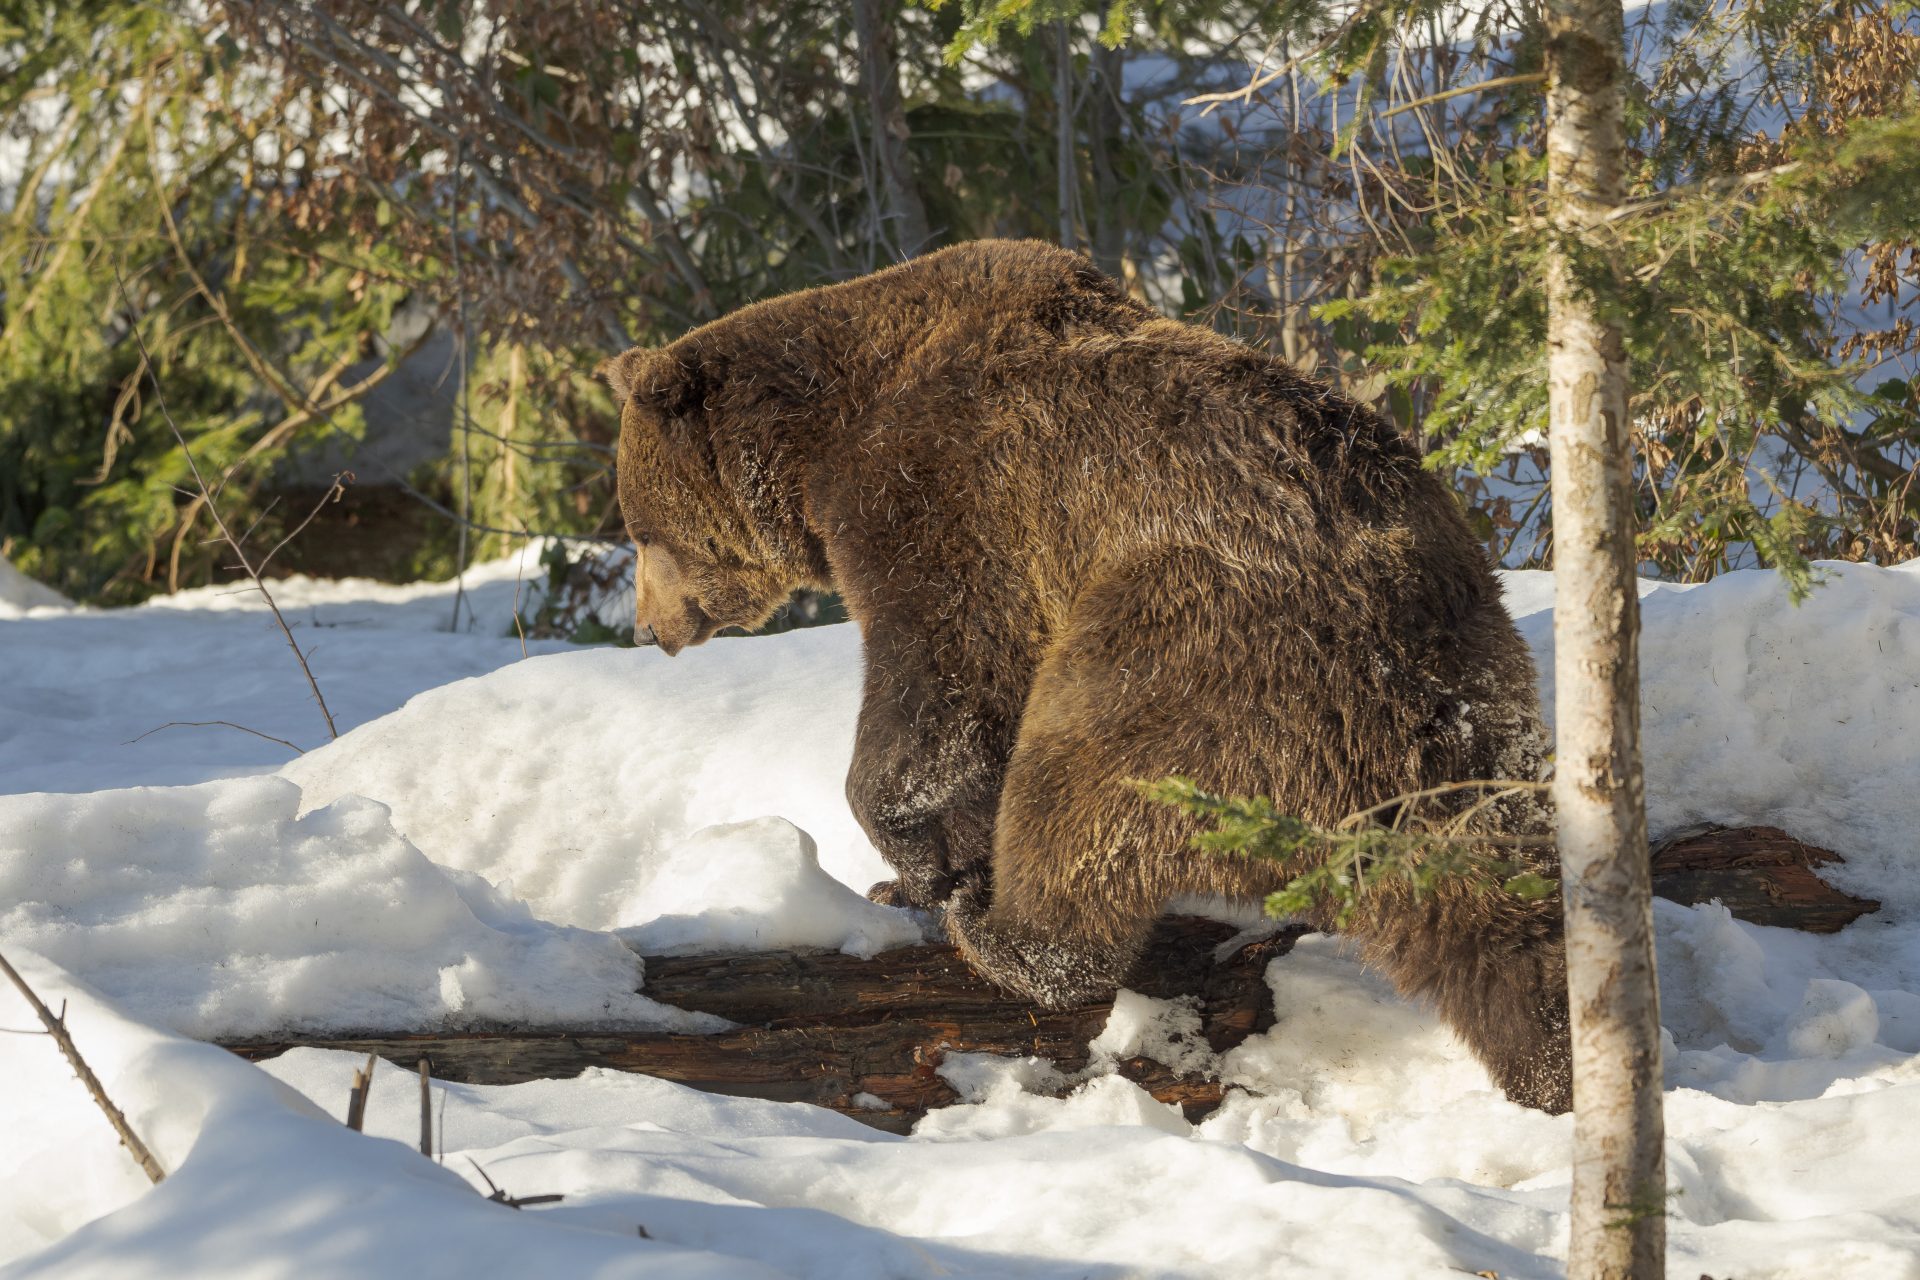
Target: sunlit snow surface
(454, 858)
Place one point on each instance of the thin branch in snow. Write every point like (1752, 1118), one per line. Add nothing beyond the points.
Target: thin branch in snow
(57, 1028)
(202, 724)
(499, 1195)
(213, 508)
(519, 572)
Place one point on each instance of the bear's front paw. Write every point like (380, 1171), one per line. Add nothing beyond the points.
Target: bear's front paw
(1054, 972)
(918, 892)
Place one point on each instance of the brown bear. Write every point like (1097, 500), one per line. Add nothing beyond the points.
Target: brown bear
(1086, 544)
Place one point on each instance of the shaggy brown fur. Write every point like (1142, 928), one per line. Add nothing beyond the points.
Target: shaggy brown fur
(1086, 544)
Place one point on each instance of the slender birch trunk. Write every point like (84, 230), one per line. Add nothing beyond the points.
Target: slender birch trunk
(880, 72)
(1619, 1182)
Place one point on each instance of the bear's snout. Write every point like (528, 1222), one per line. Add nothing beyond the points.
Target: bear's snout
(693, 627)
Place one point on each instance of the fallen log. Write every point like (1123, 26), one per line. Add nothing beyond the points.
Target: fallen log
(862, 1037)
(1761, 874)
(867, 1037)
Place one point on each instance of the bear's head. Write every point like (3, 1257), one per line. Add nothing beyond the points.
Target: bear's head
(704, 557)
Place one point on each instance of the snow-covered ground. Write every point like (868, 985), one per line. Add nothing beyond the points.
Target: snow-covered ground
(487, 830)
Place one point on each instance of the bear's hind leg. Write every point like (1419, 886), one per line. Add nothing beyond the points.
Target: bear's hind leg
(1494, 965)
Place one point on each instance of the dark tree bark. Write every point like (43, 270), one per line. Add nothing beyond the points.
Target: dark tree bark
(861, 1037)
(1103, 140)
(887, 120)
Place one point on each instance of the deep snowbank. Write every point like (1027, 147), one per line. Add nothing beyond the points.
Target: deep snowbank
(1429, 1174)
(1755, 711)
(566, 775)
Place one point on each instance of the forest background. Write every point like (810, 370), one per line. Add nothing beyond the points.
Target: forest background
(392, 238)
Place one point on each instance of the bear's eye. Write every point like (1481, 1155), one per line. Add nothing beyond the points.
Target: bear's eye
(644, 540)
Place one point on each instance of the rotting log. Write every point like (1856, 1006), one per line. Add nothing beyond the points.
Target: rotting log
(839, 1031)
(1760, 874)
(862, 1037)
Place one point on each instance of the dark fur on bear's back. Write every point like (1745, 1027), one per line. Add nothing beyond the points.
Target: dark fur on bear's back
(1086, 544)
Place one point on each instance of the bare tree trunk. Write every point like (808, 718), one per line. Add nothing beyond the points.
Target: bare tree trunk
(1619, 1183)
(1103, 139)
(887, 114)
(1066, 172)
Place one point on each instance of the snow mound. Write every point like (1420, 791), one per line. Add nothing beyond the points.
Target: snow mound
(215, 911)
(490, 592)
(568, 776)
(756, 886)
(20, 594)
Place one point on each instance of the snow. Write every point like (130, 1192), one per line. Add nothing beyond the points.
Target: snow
(20, 595)
(509, 821)
(1755, 711)
(755, 886)
(83, 684)
(558, 774)
(215, 911)
(261, 1182)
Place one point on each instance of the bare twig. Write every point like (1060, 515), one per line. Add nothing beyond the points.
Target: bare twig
(357, 1096)
(1494, 789)
(213, 508)
(271, 439)
(519, 571)
(334, 493)
(203, 724)
(499, 1196)
(1498, 82)
(466, 391)
(57, 1028)
(426, 1111)
(1260, 81)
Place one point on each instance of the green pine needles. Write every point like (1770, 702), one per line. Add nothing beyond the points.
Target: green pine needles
(1390, 848)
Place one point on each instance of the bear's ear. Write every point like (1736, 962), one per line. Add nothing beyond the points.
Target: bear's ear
(620, 372)
(655, 378)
